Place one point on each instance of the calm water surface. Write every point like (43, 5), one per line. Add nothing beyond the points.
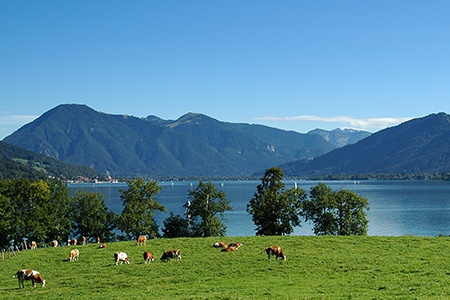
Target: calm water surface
(420, 208)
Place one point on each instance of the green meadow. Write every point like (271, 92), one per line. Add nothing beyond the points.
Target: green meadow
(325, 267)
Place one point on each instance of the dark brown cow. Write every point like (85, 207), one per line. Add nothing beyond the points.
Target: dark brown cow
(236, 245)
(83, 240)
(148, 257)
(102, 246)
(27, 274)
(167, 255)
(277, 251)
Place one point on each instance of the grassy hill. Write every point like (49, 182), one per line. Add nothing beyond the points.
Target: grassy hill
(327, 267)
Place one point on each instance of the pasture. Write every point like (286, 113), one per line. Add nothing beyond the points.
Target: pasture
(326, 267)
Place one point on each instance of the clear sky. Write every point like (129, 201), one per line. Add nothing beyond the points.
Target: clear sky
(294, 65)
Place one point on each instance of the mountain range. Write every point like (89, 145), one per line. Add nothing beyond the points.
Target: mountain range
(194, 145)
(420, 146)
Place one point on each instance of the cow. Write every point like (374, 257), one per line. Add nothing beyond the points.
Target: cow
(27, 274)
(236, 245)
(98, 240)
(141, 240)
(220, 245)
(275, 250)
(229, 249)
(167, 255)
(148, 257)
(33, 245)
(74, 242)
(122, 257)
(73, 255)
(102, 246)
(55, 243)
(83, 240)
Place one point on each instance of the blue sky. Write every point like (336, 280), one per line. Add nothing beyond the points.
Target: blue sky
(294, 65)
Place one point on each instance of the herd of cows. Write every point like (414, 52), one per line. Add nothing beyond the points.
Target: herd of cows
(122, 257)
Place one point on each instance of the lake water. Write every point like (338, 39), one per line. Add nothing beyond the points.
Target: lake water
(420, 208)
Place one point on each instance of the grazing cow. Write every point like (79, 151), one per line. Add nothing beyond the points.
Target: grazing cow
(220, 245)
(27, 274)
(167, 255)
(275, 250)
(83, 240)
(33, 245)
(73, 255)
(229, 249)
(236, 245)
(74, 242)
(55, 243)
(122, 257)
(148, 257)
(141, 240)
(102, 246)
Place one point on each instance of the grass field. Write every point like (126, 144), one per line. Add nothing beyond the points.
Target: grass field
(327, 267)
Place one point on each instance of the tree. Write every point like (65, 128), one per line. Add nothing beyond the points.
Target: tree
(336, 213)
(204, 203)
(176, 226)
(274, 210)
(139, 205)
(5, 221)
(91, 217)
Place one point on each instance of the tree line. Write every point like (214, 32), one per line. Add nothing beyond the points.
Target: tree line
(43, 211)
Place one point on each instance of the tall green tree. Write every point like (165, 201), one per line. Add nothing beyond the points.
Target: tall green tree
(176, 226)
(275, 210)
(5, 221)
(205, 210)
(38, 210)
(91, 216)
(59, 211)
(139, 207)
(336, 212)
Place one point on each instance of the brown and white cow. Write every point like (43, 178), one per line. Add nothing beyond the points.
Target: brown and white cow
(141, 240)
(122, 257)
(73, 255)
(55, 243)
(102, 246)
(229, 249)
(33, 245)
(27, 274)
(277, 251)
(98, 240)
(74, 242)
(236, 245)
(167, 255)
(148, 257)
(220, 245)
(83, 240)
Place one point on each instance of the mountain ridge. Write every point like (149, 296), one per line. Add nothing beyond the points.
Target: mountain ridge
(193, 145)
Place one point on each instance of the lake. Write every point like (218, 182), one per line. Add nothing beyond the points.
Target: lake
(420, 208)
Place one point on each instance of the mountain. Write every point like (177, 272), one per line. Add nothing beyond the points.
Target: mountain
(192, 145)
(16, 162)
(341, 137)
(420, 145)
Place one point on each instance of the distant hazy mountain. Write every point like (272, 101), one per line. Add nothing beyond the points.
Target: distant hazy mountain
(420, 145)
(193, 145)
(16, 162)
(341, 137)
